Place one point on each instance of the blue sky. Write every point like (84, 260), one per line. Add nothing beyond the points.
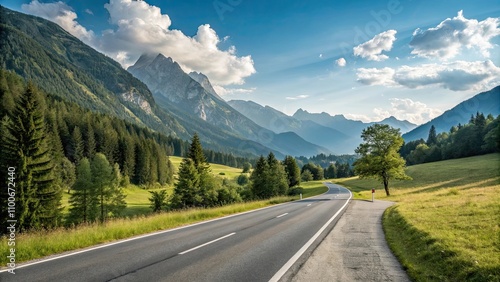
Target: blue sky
(367, 60)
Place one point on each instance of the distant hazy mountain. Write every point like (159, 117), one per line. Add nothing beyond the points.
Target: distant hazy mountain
(197, 108)
(272, 119)
(486, 102)
(350, 128)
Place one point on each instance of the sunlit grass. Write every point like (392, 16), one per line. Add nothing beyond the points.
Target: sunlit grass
(446, 224)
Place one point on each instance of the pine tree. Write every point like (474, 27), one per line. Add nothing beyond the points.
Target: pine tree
(77, 146)
(292, 171)
(102, 177)
(259, 178)
(432, 139)
(195, 153)
(277, 179)
(26, 148)
(186, 190)
(83, 199)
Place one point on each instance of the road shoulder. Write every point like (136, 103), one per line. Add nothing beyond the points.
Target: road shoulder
(355, 249)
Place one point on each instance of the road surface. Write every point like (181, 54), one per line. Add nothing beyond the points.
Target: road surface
(256, 246)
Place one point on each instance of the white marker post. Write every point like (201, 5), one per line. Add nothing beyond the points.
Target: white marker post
(373, 195)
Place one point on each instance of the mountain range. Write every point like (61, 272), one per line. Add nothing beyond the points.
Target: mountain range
(337, 133)
(487, 102)
(156, 93)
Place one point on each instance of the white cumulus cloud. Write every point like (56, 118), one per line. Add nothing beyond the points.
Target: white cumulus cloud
(447, 39)
(406, 109)
(341, 62)
(63, 15)
(139, 27)
(456, 76)
(373, 48)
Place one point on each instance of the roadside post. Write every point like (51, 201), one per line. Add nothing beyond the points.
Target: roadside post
(373, 195)
(301, 196)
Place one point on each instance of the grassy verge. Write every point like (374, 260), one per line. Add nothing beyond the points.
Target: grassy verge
(446, 224)
(35, 245)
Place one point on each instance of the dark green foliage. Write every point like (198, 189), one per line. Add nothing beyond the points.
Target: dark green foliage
(83, 199)
(247, 167)
(243, 179)
(316, 170)
(259, 178)
(196, 154)
(292, 171)
(228, 194)
(268, 178)
(331, 172)
(307, 176)
(479, 136)
(106, 179)
(25, 147)
(432, 139)
(196, 186)
(158, 200)
(379, 153)
(186, 190)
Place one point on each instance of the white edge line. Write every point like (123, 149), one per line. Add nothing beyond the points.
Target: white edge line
(299, 253)
(143, 236)
(281, 215)
(207, 243)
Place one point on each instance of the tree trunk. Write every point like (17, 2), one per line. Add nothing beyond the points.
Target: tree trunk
(386, 184)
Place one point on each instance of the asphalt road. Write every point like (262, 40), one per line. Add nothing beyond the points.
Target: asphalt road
(256, 246)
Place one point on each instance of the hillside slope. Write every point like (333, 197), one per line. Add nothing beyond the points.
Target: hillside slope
(62, 65)
(487, 102)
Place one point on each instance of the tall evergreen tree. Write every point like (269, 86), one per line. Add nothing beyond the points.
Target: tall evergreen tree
(186, 190)
(83, 200)
(277, 176)
(26, 148)
(292, 171)
(432, 139)
(77, 146)
(195, 153)
(259, 178)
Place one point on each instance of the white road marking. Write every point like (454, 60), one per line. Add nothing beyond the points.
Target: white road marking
(309, 204)
(297, 255)
(281, 215)
(207, 243)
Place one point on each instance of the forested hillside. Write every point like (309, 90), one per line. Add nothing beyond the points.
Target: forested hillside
(481, 135)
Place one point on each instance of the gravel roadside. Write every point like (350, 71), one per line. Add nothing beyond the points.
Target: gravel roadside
(355, 250)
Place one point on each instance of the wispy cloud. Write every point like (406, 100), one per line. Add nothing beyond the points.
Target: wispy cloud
(299, 97)
(224, 91)
(88, 11)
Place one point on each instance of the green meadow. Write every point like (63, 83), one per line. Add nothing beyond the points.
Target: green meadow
(445, 225)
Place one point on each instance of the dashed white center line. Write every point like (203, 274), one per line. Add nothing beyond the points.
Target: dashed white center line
(281, 215)
(207, 243)
(309, 204)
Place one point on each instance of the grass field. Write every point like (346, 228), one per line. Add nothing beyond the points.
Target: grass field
(446, 223)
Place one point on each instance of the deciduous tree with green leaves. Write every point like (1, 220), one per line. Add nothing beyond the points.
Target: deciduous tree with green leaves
(380, 158)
